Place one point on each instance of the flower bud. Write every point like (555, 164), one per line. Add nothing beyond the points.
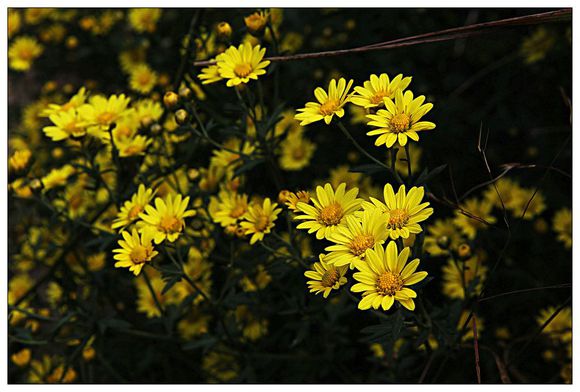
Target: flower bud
(464, 252)
(185, 92)
(256, 23)
(224, 31)
(181, 116)
(170, 99)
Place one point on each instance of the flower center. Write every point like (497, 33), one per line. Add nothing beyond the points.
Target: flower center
(400, 122)
(262, 223)
(298, 153)
(134, 211)
(397, 218)
(242, 70)
(106, 117)
(361, 243)
(238, 210)
(389, 283)
(26, 54)
(330, 277)
(331, 214)
(329, 107)
(73, 130)
(170, 224)
(144, 78)
(378, 97)
(139, 254)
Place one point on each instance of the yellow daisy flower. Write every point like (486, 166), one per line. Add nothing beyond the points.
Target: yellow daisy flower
(148, 111)
(228, 158)
(130, 147)
(14, 22)
(230, 207)
(384, 278)
(66, 125)
(259, 219)
(241, 64)
(253, 327)
(101, 112)
(400, 119)
(403, 211)
(132, 208)
(135, 251)
(57, 177)
(19, 160)
(292, 199)
(325, 277)
(210, 74)
(563, 226)
(373, 91)
(457, 276)
(142, 79)
(256, 22)
(468, 225)
(328, 104)
(22, 357)
(296, 152)
(353, 239)
(330, 210)
(22, 53)
(165, 221)
(73, 103)
(144, 19)
(442, 236)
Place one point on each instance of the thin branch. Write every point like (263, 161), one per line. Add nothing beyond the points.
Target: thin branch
(437, 36)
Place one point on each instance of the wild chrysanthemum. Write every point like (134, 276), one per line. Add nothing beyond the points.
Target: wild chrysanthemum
(132, 208)
(384, 278)
(373, 91)
(458, 276)
(130, 147)
(22, 53)
(135, 251)
(228, 158)
(563, 226)
(292, 199)
(148, 111)
(241, 64)
(166, 219)
(19, 160)
(259, 219)
(403, 211)
(252, 326)
(328, 104)
(353, 239)
(296, 152)
(57, 177)
(67, 124)
(101, 112)
(230, 207)
(144, 19)
(469, 225)
(330, 210)
(325, 277)
(73, 103)
(560, 328)
(256, 22)
(400, 119)
(442, 237)
(210, 74)
(142, 79)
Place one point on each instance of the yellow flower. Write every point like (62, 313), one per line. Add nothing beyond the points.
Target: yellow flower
(296, 152)
(165, 221)
(328, 104)
(129, 59)
(228, 158)
(67, 124)
(22, 53)
(22, 357)
(330, 210)
(193, 324)
(230, 207)
(253, 327)
(198, 269)
(257, 282)
(57, 177)
(73, 103)
(468, 225)
(374, 91)
(135, 251)
(148, 111)
(145, 301)
(14, 22)
(353, 239)
(260, 219)
(19, 160)
(132, 147)
(442, 236)
(560, 328)
(101, 112)
(535, 47)
(142, 79)
(384, 276)
(292, 199)
(132, 208)
(400, 119)
(457, 275)
(97, 261)
(512, 195)
(325, 277)
(144, 19)
(241, 64)
(256, 22)
(563, 226)
(403, 211)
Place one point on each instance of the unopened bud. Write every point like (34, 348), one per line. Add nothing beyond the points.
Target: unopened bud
(170, 99)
